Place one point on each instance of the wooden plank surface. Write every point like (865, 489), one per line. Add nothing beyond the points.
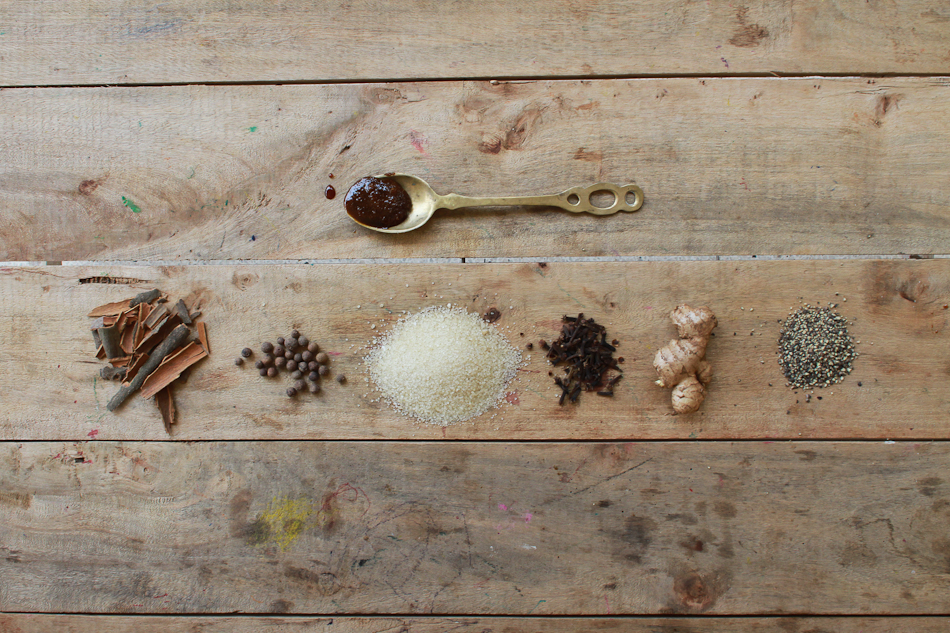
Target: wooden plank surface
(44, 42)
(899, 387)
(41, 623)
(724, 528)
(731, 166)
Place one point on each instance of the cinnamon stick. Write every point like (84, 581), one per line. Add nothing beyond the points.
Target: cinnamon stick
(171, 343)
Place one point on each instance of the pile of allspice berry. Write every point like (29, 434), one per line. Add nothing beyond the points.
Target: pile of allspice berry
(297, 355)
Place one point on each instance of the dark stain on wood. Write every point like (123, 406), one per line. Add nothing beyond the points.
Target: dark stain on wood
(692, 544)
(18, 499)
(589, 156)
(87, 187)
(685, 519)
(857, 554)
(325, 583)
(928, 486)
(604, 503)
(635, 539)
(807, 456)
(491, 146)
(243, 281)
(747, 35)
(724, 509)
(281, 606)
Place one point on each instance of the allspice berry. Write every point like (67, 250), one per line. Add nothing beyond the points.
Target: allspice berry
(267, 347)
(313, 365)
(314, 387)
(313, 348)
(297, 375)
(307, 356)
(289, 355)
(246, 352)
(280, 362)
(268, 361)
(279, 350)
(323, 370)
(303, 341)
(263, 371)
(298, 357)
(280, 340)
(314, 376)
(295, 334)
(322, 358)
(259, 364)
(291, 344)
(300, 385)
(291, 365)
(291, 392)
(341, 379)
(271, 372)
(238, 361)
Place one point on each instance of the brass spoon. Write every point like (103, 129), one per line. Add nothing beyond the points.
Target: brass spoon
(425, 201)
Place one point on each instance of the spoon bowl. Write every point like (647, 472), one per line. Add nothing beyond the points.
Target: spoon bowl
(425, 201)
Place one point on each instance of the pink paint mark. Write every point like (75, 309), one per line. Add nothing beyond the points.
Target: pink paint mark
(93, 433)
(512, 397)
(335, 353)
(527, 517)
(502, 507)
(743, 183)
(419, 141)
(607, 602)
(648, 308)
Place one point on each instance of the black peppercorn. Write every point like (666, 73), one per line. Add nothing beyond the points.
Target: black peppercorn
(314, 376)
(341, 379)
(246, 352)
(280, 362)
(271, 372)
(291, 392)
(300, 385)
(263, 371)
(267, 347)
(291, 365)
(260, 364)
(313, 348)
(307, 356)
(238, 361)
(323, 370)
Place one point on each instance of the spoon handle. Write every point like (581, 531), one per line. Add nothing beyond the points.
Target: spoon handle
(626, 198)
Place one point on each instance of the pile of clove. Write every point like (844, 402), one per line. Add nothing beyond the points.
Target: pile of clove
(583, 347)
(148, 343)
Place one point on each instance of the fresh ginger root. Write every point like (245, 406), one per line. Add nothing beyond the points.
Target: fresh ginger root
(681, 364)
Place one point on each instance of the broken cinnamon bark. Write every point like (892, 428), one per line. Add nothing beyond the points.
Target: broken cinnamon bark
(171, 367)
(166, 406)
(174, 340)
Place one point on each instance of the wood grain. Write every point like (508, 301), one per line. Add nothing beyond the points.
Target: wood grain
(899, 388)
(41, 623)
(731, 166)
(445, 528)
(42, 42)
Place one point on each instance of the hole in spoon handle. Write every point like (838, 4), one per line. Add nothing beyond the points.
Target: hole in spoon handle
(602, 198)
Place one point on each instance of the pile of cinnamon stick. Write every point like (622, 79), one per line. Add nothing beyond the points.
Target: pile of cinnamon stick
(148, 343)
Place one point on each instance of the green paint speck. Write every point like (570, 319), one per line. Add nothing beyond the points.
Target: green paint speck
(192, 174)
(135, 208)
(140, 124)
(253, 128)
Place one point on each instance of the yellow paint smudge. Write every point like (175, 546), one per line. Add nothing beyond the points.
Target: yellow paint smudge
(286, 519)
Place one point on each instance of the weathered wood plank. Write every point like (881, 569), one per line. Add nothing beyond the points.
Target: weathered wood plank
(899, 387)
(737, 166)
(43, 42)
(443, 528)
(301, 624)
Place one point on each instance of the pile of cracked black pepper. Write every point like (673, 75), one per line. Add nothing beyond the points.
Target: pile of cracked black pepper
(296, 354)
(583, 347)
(815, 349)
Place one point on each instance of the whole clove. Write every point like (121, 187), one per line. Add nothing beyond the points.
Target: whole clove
(582, 346)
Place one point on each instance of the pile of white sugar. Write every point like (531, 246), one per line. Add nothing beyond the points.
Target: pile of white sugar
(443, 365)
